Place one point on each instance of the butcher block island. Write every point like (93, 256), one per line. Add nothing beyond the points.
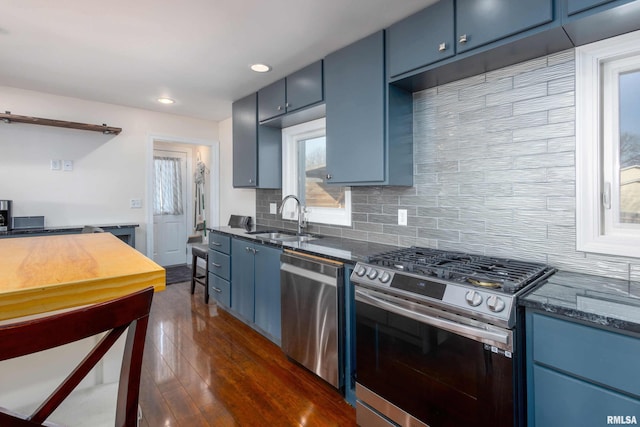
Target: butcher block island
(46, 273)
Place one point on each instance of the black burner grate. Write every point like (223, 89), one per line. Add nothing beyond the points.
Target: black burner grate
(510, 275)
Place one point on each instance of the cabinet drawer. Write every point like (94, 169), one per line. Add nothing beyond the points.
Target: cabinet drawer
(591, 353)
(219, 264)
(562, 400)
(220, 289)
(220, 242)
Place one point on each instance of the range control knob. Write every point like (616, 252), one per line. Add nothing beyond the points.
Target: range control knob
(360, 271)
(384, 277)
(473, 298)
(495, 304)
(373, 273)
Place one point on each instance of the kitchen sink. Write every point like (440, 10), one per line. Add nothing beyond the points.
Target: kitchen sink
(279, 236)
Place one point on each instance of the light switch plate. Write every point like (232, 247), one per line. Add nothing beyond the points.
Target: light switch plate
(273, 208)
(402, 217)
(55, 165)
(67, 165)
(135, 203)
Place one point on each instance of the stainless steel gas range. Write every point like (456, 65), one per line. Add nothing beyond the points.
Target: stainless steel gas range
(439, 337)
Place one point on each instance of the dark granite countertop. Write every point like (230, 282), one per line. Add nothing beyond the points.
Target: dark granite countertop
(344, 250)
(602, 301)
(63, 229)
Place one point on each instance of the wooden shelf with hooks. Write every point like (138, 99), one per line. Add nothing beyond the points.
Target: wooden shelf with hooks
(7, 117)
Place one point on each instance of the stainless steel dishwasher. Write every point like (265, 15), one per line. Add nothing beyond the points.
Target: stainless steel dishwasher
(311, 304)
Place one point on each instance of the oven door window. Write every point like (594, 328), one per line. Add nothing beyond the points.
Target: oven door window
(441, 378)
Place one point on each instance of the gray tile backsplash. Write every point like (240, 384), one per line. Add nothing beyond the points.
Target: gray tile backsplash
(494, 173)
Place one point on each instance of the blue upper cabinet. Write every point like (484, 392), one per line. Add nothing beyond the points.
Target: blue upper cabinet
(297, 91)
(576, 6)
(587, 21)
(359, 151)
(257, 150)
(305, 87)
(272, 100)
(421, 39)
(479, 22)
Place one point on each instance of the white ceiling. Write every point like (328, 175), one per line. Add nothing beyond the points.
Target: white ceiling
(198, 52)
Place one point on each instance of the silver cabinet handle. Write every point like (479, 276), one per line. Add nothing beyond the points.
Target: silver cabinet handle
(279, 107)
(255, 251)
(250, 180)
(287, 105)
(329, 176)
(442, 47)
(247, 248)
(215, 265)
(216, 244)
(218, 290)
(463, 38)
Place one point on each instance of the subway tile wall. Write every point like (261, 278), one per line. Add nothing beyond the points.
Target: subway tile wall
(494, 173)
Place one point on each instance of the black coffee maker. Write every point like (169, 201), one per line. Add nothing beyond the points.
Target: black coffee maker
(5, 215)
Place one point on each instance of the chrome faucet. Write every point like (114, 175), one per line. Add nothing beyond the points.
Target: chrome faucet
(302, 223)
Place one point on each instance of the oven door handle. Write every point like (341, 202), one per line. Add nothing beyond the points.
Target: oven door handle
(477, 334)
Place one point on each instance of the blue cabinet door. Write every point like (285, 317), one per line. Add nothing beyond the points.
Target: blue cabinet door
(479, 22)
(245, 141)
(587, 21)
(355, 107)
(305, 87)
(257, 150)
(272, 100)
(562, 400)
(242, 278)
(421, 39)
(267, 290)
(576, 6)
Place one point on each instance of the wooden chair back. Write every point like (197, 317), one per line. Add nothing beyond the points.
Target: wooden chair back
(114, 317)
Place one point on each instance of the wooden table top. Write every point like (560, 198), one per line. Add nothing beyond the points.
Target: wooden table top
(41, 274)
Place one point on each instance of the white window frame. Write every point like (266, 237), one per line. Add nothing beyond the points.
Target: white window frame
(290, 138)
(597, 136)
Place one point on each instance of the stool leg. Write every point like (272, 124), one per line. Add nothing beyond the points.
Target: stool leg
(194, 265)
(206, 282)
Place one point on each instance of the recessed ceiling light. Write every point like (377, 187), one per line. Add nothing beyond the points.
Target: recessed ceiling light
(260, 68)
(166, 100)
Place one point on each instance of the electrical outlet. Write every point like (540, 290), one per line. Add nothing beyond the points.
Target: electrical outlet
(135, 203)
(55, 165)
(273, 208)
(67, 165)
(402, 217)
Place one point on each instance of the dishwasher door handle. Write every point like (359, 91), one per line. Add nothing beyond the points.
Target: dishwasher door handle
(316, 277)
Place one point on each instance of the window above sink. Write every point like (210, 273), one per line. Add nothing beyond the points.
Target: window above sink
(304, 175)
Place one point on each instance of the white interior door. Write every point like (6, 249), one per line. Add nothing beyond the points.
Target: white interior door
(170, 207)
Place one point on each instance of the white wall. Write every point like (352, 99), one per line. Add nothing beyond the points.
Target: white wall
(238, 201)
(108, 170)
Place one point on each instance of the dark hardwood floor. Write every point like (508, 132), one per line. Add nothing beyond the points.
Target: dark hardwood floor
(203, 367)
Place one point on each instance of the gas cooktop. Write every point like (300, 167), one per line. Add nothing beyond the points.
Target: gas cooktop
(503, 274)
(477, 286)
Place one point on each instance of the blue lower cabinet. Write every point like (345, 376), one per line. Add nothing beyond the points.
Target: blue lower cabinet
(242, 300)
(220, 290)
(267, 290)
(579, 375)
(255, 272)
(563, 400)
